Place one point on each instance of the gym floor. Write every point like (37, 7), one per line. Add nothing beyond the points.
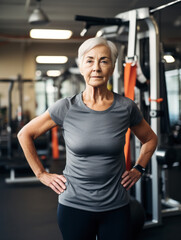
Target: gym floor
(28, 211)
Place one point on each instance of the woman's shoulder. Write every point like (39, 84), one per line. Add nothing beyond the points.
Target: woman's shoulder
(123, 99)
(125, 103)
(60, 108)
(66, 101)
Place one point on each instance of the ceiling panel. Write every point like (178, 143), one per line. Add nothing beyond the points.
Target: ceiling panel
(14, 16)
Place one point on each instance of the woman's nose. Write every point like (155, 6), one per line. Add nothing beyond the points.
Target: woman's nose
(96, 67)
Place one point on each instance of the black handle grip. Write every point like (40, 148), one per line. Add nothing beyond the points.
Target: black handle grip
(98, 21)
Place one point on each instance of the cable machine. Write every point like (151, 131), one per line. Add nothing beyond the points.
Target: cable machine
(153, 175)
(128, 30)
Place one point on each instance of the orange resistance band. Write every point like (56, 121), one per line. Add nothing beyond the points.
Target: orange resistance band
(55, 150)
(129, 85)
(159, 100)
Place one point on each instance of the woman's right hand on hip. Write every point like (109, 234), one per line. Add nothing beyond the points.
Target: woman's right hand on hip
(55, 181)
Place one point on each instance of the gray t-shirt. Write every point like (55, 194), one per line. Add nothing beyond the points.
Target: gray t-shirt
(94, 151)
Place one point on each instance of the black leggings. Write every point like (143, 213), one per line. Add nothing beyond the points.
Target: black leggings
(78, 224)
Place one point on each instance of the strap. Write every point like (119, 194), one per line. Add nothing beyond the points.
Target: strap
(55, 150)
(129, 85)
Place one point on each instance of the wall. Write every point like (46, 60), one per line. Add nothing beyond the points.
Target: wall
(18, 58)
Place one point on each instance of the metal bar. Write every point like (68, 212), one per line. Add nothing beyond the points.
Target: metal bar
(116, 78)
(10, 118)
(12, 174)
(138, 187)
(155, 122)
(20, 106)
(27, 4)
(98, 21)
(21, 180)
(13, 179)
(164, 6)
(118, 71)
(132, 35)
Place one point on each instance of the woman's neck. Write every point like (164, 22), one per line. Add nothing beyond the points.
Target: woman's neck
(97, 94)
(98, 99)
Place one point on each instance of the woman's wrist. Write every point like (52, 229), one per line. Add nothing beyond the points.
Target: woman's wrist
(139, 168)
(40, 173)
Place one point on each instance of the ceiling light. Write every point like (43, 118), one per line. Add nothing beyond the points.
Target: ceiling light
(38, 73)
(50, 34)
(83, 32)
(177, 22)
(169, 58)
(51, 59)
(53, 73)
(38, 16)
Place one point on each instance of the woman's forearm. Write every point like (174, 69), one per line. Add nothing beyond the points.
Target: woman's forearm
(27, 144)
(147, 151)
(26, 137)
(149, 142)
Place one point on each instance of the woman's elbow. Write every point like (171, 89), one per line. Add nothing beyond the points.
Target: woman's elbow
(155, 140)
(23, 134)
(20, 135)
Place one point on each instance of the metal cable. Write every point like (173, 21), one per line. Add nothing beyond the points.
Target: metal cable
(164, 6)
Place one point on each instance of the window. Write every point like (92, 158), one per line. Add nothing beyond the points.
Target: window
(173, 82)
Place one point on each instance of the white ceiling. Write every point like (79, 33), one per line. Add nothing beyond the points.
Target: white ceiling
(14, 17)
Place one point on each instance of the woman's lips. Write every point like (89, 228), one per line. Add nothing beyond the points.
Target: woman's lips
(96, 76)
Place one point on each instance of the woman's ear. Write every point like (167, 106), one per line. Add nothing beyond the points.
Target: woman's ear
(112, 70)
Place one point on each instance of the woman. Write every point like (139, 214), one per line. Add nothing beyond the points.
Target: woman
(93, 198)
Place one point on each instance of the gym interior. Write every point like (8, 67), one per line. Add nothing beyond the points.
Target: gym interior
(147, 35)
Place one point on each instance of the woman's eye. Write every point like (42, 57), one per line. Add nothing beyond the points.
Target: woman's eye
(89, 61)
(104, 62)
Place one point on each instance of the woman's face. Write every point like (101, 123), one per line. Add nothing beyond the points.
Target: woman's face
(96, 66)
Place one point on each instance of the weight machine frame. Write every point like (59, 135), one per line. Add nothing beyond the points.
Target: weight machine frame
(131, 18)
(10, 162)
(114, 31)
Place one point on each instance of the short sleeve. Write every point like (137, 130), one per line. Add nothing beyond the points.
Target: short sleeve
(59, 110)
(135, 114)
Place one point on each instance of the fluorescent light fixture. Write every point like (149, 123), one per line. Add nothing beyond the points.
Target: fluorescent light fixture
(51, 59)
(53, 73)
(50, 34)
(169, 58)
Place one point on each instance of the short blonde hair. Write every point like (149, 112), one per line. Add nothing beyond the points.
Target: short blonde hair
(93, 42)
